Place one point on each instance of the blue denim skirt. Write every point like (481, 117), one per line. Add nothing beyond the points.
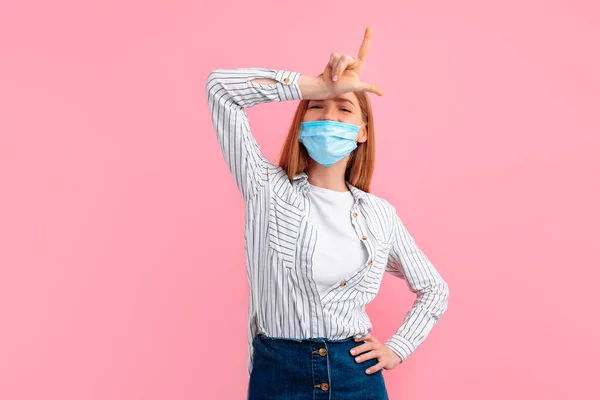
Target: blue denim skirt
(311, 369)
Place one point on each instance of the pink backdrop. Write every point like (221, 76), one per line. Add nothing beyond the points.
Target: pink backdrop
(121, 233)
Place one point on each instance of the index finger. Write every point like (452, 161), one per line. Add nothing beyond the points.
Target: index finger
(366, 43)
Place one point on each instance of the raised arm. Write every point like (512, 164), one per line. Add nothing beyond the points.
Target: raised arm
(407, 261)
(229, 92)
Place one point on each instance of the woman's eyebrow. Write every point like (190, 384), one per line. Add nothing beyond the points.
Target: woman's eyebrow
(338, 100)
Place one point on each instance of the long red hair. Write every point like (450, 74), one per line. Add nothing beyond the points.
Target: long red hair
(361, 164)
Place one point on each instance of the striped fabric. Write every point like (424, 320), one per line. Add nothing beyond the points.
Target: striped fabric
(280, 241)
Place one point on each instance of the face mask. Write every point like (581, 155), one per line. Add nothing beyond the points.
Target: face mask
(327, 142)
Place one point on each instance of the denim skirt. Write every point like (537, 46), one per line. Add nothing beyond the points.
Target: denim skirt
(311, 369)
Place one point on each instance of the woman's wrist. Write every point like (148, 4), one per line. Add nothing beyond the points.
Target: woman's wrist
(312, 87)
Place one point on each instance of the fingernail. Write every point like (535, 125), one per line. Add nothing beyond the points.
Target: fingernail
(368, 371)
(334, 78)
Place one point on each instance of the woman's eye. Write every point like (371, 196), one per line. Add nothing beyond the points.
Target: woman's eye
(343, 109)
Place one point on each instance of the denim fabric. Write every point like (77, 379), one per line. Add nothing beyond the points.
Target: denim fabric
(311, 369)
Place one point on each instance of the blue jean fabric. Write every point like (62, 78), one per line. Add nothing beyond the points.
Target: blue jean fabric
(311, 369)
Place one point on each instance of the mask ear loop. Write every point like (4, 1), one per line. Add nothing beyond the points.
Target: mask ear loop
(363, 125)
(354, 151)
(357, 144)
(351, 159)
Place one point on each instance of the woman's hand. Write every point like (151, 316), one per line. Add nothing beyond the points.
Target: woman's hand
(342, 73)
(374, 349)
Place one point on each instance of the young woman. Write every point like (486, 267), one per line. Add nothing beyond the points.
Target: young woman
(317, 242)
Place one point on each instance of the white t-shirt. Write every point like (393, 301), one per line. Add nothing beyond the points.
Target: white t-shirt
(338, 249)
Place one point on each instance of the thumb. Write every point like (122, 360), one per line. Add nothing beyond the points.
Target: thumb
(369, 87)
(365, 337)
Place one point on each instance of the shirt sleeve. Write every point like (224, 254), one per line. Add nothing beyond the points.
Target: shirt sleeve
(407, 261)
(229, 92)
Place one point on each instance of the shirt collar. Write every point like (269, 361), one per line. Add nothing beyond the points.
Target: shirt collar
(302, 179)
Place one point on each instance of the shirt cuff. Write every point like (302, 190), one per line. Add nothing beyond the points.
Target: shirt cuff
(401, 346)
(289, 88)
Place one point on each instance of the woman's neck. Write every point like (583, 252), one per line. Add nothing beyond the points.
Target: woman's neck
(332, 177)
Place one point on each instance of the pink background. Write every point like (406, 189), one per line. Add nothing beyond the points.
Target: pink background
(122, 269)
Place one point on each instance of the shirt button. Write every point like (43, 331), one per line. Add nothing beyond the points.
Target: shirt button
(343, 283)
(286, 80)
(355, 215)
(323, 352)
(364, 238)
(370, 262)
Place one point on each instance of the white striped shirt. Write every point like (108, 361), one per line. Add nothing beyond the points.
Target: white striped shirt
(280, 240)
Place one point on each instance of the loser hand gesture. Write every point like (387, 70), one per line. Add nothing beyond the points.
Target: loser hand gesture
(342, 73)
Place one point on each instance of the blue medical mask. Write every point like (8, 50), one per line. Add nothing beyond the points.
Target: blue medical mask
(327, 142)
